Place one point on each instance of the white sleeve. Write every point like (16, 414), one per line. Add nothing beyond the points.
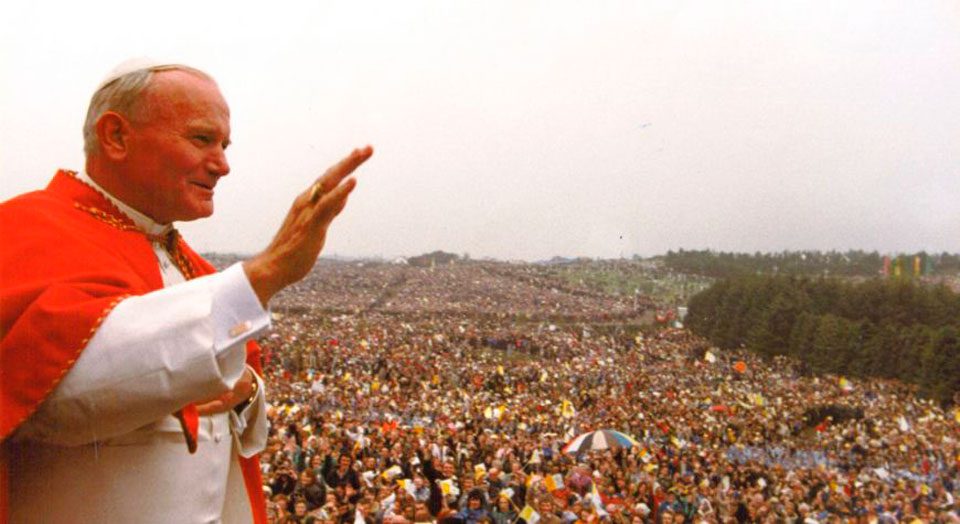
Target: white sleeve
(152, 355)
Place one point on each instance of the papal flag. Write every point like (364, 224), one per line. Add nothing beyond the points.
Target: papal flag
(529, 515)
(710, 357)
(567, 409)
(391, 472)
(535, 458)
(596, 501)
(644, 455)
(845, 384)
(553, 482)
(408, 486)
(447, 487)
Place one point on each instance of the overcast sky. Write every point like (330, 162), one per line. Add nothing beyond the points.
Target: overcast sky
(524, 130)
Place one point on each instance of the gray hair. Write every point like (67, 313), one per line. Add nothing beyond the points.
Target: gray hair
(123, 95)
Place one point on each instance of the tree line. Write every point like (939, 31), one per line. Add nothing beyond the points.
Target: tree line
(889, 328)
(719, 264)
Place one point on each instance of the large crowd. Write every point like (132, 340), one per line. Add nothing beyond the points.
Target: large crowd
(403, 395)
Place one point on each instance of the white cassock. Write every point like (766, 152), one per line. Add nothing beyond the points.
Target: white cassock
(104, 446)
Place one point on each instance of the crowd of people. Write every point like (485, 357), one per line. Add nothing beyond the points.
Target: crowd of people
(469, 289)
(448, 394)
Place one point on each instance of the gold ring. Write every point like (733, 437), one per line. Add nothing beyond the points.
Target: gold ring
(316, 192)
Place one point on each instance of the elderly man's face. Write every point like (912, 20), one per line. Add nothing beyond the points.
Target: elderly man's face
(176, 153)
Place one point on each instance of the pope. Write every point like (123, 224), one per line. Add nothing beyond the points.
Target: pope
(130, 388)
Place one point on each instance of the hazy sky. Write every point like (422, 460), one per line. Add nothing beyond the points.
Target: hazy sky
(530, 129)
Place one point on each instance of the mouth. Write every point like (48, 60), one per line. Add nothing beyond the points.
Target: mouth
(208, 187)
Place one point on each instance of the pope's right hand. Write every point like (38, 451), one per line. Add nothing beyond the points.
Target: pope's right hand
(297, 244)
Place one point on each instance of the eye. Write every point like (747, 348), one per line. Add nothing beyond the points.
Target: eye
(202, 139)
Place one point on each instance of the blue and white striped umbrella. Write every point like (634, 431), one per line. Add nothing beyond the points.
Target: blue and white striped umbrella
(600, 439)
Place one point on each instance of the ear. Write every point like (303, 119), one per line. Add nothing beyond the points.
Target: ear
(113, 133)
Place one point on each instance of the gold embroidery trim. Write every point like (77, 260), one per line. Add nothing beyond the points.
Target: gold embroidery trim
(76, 355)
(108, 218)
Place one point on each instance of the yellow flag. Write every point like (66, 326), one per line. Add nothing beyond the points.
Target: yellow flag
(548, 483)
(407, 485)
(446, 486)
(644, 455)
(393, 471)
(529, 515)
(500, 370)
(553, 482)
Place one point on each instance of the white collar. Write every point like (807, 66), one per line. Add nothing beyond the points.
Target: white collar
(143, 222)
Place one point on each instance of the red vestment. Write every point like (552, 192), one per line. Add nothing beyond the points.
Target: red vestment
(68, 256)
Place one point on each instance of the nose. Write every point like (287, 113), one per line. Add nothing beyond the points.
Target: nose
(217, 163)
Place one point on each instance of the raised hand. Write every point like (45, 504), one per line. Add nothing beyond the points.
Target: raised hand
(297, 244)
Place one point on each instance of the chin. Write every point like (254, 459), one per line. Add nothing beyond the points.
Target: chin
(195, 214)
